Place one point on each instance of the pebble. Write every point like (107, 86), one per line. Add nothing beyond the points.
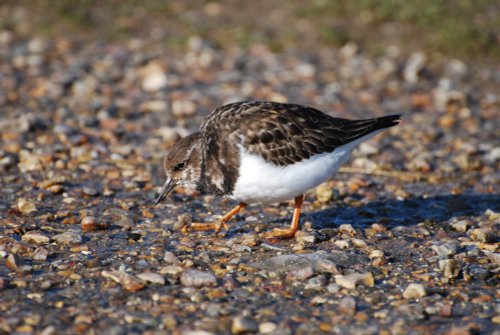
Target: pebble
(90, 223)
(347, 228)
(197, 278)
(316, 283)
(267, 327)
(460, 225)
(342, 244)
(127, 281)
(69, 237)
(40, 254)
(333, 288)
(183, 108)
(154, 78)
(92, 192)
(450, 267)
(300, 273)
(26, 206)
(171, 270)
(490, 214)
(170, 258)
(482, 235)
(14, 262)
(3, 283)
(35, 237)
(152, 277)
(413, 66)
(324, 193)
(414, 291)
(445, 249)
(347, 306)
(196, 332)
(305, 237)
(352, 280)
(243, 324)
(494, 257)
(376, 254)
(358, 243)
(324, 265)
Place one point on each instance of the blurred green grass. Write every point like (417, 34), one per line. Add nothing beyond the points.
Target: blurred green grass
(456, 28)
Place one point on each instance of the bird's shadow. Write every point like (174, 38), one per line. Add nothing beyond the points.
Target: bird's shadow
(406, 212)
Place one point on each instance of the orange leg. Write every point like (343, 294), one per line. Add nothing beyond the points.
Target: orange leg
(283, 234)
(216, 226)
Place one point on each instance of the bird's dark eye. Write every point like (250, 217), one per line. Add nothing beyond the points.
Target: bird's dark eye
(179, 166)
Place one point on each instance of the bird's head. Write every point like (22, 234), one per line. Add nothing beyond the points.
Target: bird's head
(182, 165)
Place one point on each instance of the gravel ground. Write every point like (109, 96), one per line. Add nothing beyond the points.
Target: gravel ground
(404, 241)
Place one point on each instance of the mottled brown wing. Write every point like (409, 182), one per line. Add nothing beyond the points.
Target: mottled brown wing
(285, 133)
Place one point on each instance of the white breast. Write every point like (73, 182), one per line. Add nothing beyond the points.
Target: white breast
(260, 181)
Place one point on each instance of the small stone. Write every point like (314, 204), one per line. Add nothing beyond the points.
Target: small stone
(154, 77)
(327, 266)
(300, 273)
(301, 236)
(68, 237)
(90, 223)
(347, 229)
(316, 283)
(380, 261)
(3, 283)
(170, 258)
(490, 214)
(494, 257)
(197, 278)
(450, 267)
(171, 270)
(25, 206)
(358, 243)
(127, 281)
(446, 249)
(460, 226)
(342, 244)
(36, 237)
(243, 324)
(40, 254)
(90, 191)
(376, 254)
(333, 288)
(347, 306)
(482, 235)
(267, 327)
(14, 262)
(414, 291)
(352, 280)
(324, 193)
(413, 66)
(183, 108)
(152, 277)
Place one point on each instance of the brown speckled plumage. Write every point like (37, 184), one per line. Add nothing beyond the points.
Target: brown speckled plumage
(282, 134)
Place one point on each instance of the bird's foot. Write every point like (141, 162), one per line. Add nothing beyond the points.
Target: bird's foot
(280, 234)
(200, 226)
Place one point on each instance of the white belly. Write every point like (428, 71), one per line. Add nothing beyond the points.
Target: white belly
(260, 181)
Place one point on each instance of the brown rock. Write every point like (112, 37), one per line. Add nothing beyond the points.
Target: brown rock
(14, 262)
(127, 281)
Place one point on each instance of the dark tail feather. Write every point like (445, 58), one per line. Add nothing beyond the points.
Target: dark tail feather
(387, 121)
(353, 129)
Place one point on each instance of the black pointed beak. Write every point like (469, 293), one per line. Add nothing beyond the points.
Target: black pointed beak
(167, 187)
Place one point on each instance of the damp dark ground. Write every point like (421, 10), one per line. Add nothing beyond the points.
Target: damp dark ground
(403, 240)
